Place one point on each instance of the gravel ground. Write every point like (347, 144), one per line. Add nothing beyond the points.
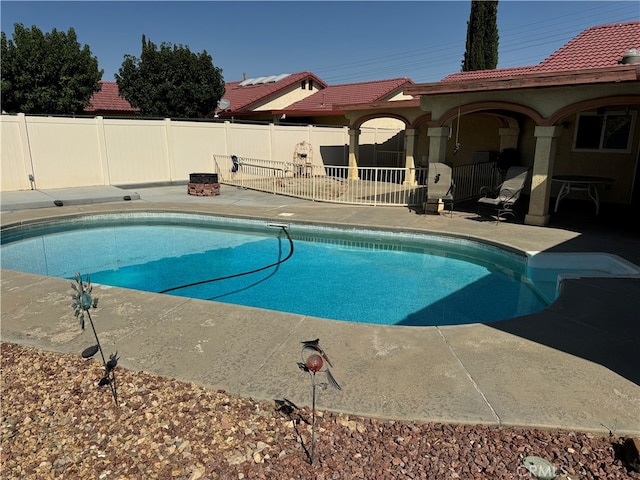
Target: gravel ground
(56, 423)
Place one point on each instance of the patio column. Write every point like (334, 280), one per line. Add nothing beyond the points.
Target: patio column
(438, 137)
(409, 160)
(541, 175)
(508, 137)
(354, 149)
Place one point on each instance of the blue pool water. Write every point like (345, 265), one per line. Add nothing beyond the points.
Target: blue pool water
(361, 276)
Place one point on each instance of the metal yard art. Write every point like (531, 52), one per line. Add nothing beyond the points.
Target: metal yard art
(82, 303)
(313, 362)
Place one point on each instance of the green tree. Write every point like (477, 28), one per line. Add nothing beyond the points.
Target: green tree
(46, 73)
(170, 81)
(482, 36)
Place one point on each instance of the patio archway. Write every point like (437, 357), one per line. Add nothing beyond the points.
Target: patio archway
(474, 107)
(407, 112)
(593, 103)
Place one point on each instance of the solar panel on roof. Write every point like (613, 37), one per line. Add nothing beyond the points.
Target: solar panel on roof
(257, 80)
(261, 80)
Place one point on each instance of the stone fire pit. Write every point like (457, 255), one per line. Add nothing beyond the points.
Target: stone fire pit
(203, 184)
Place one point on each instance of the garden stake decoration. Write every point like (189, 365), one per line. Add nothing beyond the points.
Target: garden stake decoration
(82, 303)
(313, 358)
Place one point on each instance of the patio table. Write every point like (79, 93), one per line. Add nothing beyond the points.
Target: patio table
(582, 183)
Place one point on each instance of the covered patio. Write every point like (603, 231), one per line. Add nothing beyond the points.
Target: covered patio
(568, 116)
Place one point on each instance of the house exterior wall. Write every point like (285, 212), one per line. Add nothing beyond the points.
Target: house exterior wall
(477, 133)
(400, 96)
(620, 166)
(293, 95)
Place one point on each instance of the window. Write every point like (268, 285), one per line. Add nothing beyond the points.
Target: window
(303, 84)
(310, 84)
(604, 131)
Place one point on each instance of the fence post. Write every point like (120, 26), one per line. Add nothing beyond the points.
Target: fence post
(168, 145)
(375, 186)
(272, 133)
(314, 182)
(227, 134)
(409, 161)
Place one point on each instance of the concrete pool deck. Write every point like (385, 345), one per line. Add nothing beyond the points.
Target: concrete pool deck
(573, 366)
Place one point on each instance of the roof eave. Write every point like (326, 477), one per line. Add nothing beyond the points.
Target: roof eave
(623, 73)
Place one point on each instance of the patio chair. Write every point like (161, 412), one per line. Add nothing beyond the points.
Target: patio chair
(440, 185)
(501, 201)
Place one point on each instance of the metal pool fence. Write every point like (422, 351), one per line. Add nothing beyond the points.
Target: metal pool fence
(389, 186)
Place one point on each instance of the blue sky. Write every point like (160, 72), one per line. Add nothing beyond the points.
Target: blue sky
(341, 42)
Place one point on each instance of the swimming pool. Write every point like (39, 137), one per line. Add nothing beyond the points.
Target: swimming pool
(367, 276)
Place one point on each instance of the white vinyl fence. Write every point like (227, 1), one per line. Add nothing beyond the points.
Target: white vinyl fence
(57, 152)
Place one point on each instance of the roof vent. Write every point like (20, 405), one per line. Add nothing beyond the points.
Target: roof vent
(630, 57)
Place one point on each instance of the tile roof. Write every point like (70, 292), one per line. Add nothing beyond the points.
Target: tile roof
(601, 46)
(108, 99)
(242, 98)
(495, 73)
(596, 47)
(363, 92)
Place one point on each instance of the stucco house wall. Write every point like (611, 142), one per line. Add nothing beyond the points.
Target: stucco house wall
(399, 96)
(475, 133)
(284, 99)
(616, 165)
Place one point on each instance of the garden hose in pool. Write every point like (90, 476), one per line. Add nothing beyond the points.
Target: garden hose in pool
(202, 282)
